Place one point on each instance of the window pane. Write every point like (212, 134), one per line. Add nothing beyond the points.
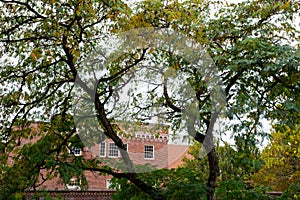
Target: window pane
(113, 150)
(73, 183)
(102, 149)
(149, 152)
(75, 150)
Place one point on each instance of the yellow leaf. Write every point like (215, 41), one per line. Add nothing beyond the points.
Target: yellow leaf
(151, 50)
(32, 56)
(56, 34)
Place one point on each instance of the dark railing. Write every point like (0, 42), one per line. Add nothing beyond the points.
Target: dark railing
(70, 195)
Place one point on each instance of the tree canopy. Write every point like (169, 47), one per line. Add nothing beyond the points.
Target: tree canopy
(253, 45)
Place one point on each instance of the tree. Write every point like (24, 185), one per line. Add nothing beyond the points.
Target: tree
(281, 158)
(46, 43)
(248, 42)
(237, 165)
(180, 183)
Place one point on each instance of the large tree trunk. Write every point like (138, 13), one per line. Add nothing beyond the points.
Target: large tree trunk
(213, 162)
(213, 174)
(208, 143)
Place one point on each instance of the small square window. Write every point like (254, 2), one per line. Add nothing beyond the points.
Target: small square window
(102, 149)
(149, 152)
(74, 183)
(75, 151)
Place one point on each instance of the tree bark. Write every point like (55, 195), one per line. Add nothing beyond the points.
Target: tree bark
(213, 174)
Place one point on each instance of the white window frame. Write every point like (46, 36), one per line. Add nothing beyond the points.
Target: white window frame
(145, 152)
(74, 153)
(101, 143)
(117, 149)
(74, 186)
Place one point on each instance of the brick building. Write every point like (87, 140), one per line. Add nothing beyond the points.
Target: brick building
(143, 146)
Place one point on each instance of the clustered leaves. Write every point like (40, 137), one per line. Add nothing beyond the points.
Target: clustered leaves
(282, 160)
(44, 45)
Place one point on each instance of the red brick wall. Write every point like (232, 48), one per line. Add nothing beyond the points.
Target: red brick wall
(136, 153)
(94, 179)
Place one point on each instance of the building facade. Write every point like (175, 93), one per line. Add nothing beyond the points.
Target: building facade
(143, 148)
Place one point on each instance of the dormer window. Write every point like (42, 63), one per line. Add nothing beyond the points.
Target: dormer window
(74, 184)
